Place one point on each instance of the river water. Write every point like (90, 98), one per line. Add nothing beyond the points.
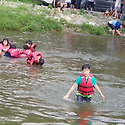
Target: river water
(33, 95)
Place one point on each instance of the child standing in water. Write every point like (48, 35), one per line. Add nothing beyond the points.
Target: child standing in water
(85, 83)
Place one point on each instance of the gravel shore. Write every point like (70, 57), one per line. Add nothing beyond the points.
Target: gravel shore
(95, 19)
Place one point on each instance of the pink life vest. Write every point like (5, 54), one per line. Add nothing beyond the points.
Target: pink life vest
(33, 46)
(27, 52)
(34, 57)
(14, 52)
(4, 48)
(86, 87)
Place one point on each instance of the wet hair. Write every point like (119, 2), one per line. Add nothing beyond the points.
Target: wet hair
(6, 40)
(25, 47)
(29, 42)
(85, 66)
(41, 61)
(12, 46)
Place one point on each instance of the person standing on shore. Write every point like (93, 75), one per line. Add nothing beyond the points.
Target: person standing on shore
(55, 4)
(117, 8)
(63, 5)
(112, 7)
(78, 3)
(84, 84)
(90, 4)
(72, 4)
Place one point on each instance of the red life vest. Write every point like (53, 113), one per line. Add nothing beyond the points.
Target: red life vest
(84, 118)
(35, 55)
(14, 53)
(27, 52)
(86, 87)
(33, 46)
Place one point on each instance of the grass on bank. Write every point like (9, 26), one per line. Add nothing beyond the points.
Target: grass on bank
(86, 28)
(24, 1)
(94, 30)
(22, 19)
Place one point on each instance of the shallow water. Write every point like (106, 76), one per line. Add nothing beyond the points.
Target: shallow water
(33, 95)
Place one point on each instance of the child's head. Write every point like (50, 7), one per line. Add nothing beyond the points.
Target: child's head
(26, 47)
(29, 43)
(86, 69)
(41, 62)
(5, 42)
(122, 26)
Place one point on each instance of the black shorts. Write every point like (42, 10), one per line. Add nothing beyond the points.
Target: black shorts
(73, 2)
(90, 4)
(78, 3)
(81, 99)
(57, 4)
(111, 26)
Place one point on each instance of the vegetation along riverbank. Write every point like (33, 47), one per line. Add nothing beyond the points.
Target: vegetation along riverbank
(26, 15)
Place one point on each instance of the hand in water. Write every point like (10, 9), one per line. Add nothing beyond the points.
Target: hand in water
(66, 97)
(102, 96)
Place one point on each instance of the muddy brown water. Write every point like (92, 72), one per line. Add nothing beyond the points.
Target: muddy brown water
(33, 95)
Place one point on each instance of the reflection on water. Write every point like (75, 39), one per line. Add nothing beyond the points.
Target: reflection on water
(33, 95)
(84, 113)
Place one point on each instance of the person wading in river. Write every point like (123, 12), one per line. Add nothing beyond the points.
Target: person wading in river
(85, 84)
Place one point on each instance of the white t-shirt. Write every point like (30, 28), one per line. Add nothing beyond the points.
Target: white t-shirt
(118, 4)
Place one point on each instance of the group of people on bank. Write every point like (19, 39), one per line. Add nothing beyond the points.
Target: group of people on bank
(29, 52)
(117, 11)
(61, 4)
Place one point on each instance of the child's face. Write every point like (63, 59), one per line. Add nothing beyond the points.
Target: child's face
(28, 44)
(86, 72)
(121, 26)
(5, 42)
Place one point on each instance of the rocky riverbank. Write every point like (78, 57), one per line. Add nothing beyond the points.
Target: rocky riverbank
(95, 19)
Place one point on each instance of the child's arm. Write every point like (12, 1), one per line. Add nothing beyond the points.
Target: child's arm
(99, 91)
(32, 61)
(69, 92)
(118, 32)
